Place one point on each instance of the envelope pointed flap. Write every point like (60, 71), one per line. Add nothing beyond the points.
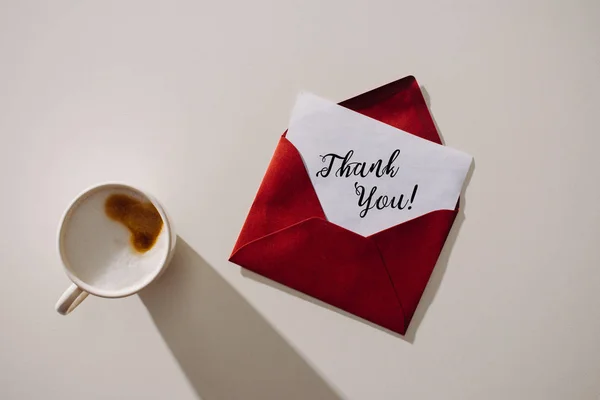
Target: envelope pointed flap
(331, 264)
(399, 104)
(410, 252)
(285, 197)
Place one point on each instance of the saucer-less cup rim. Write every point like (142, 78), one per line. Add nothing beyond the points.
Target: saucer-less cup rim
(80, 289)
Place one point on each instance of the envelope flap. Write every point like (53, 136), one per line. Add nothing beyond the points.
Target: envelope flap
(285, 197)
(410, 251)
(331, 264)
(399, 104)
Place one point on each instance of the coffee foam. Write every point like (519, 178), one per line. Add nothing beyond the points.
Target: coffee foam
(98, 250)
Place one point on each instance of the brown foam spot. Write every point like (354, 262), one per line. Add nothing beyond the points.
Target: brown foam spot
(141, 218)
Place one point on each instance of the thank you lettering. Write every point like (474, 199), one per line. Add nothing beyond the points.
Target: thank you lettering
(336, 166)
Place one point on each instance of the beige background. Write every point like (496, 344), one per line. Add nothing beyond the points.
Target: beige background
(188, 98)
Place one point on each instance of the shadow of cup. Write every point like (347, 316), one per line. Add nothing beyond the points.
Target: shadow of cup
(226, 349)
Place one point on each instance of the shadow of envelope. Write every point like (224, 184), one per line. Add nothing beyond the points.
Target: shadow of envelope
(226, 349)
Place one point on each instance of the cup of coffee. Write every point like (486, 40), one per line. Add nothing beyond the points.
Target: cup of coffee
(113, 240)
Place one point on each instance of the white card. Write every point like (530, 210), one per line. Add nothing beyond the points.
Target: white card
(370, 176)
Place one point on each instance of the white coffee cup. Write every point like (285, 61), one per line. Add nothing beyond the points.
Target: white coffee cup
(97, 253)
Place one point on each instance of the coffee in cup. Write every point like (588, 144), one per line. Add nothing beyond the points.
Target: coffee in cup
(113, 241)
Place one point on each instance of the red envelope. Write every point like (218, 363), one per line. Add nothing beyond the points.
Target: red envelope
(287, 238)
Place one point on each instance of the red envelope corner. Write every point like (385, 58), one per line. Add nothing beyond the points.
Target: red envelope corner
(287, 238)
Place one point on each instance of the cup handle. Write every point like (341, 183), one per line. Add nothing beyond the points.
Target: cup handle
(70, 299)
